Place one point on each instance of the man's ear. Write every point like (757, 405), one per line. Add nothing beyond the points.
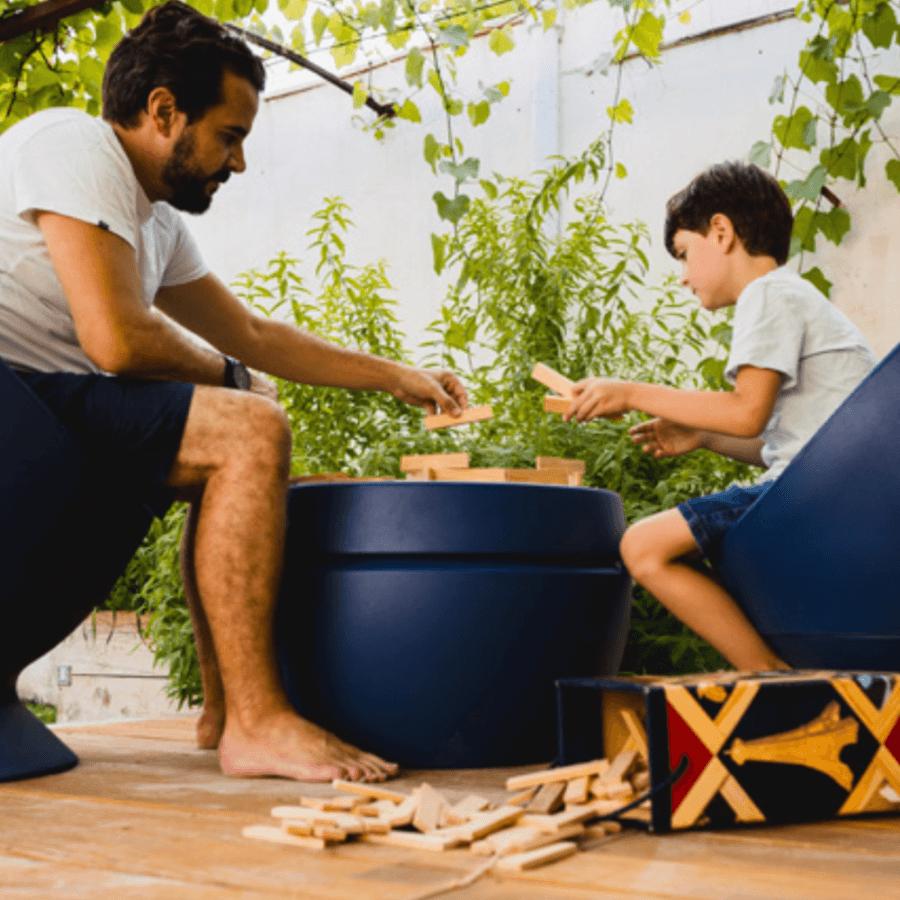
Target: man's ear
(721, 227)
(163, 110)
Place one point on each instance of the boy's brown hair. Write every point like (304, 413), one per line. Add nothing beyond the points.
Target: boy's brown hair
(758, 208)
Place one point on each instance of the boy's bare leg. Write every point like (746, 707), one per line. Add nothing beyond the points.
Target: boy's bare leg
(657, 552)
(211, 723)
(236, 449)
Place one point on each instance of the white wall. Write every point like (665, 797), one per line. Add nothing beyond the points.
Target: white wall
(707, 101)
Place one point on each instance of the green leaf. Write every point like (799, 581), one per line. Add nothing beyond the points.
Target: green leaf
(841, 161)
(877, 103)
(409, 111)
(454, 36)
(791, 131)
(319, 24)
(810, 188)
(479, 112)
(415, 62)
(889, 83)
(834, 224)
(804, 232)
(293, 9)
(892, 170)
(548, 18)
(489, 188)
(647, 34)
(438, 247)
(776, 95)
(360, 94)
(881, 26)
(108, 33)
(501, 40)
(432, 152)
(467, 169)
(243, 8)
(621, 112)
(621, 171)
(451, 210)
(761, 154)
(816, 277)
(845, 97)
(818, 69)
(399, 38)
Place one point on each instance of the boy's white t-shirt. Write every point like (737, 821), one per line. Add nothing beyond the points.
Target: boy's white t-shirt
(783, 322)
(67, 162)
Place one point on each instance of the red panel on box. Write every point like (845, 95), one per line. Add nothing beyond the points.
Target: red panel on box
(684, 742)
(892, 741)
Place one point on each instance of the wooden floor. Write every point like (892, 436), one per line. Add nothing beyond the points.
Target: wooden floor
(145, 815)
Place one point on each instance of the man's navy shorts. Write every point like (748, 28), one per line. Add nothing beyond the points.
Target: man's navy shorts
(127, 428)
(711, 517)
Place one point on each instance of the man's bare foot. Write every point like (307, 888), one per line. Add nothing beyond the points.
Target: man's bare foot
(288, 746)
(210, 727)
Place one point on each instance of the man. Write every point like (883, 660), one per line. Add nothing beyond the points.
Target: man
(94, 268)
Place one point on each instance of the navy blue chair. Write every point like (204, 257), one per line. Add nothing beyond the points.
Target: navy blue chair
(816, 562)
(65, 536)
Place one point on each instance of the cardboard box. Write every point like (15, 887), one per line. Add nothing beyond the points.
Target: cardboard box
(744, 747)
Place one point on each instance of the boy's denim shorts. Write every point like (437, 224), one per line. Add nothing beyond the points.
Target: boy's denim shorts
(127, 428)
(711, 517)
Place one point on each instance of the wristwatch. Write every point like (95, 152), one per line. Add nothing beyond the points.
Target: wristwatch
(237, 375)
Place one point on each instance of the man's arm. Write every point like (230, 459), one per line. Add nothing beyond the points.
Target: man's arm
(741, 413)
(99, 274)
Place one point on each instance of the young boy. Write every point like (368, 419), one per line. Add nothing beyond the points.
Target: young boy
(794, 358)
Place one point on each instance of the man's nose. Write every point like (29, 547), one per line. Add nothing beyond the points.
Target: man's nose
(236, 162)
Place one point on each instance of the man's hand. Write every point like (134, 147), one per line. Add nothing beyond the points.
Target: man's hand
(599, 398)
(663, 438)
(432, 388)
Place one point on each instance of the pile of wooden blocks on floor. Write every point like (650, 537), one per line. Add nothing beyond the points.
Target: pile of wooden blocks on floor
(551, 811)
(455, 467)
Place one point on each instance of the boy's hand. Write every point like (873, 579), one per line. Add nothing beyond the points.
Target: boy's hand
(663, 438)
(594, 398)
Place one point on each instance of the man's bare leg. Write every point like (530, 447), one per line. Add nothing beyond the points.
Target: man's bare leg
(236, 448)
(657, 553)
(212, 717)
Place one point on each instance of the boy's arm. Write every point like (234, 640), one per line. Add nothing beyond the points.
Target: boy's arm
(742, 412)
(662, 438)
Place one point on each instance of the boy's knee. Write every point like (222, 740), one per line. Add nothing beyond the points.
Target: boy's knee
(639, 552)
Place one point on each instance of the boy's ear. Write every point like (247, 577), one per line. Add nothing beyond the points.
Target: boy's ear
(721, 227)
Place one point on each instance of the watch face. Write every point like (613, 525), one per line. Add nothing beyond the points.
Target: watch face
(241, 376)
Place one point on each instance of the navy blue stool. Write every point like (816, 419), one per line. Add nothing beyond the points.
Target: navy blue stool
(64, 539)
(427, 621)
(815, 562)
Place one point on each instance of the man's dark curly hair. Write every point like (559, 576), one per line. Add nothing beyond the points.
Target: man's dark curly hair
(750, 197)
(178, 48)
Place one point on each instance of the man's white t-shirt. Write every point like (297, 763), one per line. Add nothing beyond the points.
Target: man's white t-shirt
(783, 322)
(65, 161)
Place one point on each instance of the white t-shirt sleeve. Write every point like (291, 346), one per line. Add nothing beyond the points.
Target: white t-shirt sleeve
(70, 172)
(768, 332)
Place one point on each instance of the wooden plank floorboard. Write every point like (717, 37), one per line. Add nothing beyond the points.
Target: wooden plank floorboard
(149, 816)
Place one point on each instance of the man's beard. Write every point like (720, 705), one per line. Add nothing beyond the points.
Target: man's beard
(187, 183)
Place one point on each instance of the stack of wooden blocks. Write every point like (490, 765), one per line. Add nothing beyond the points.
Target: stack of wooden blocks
(455, 467)
(542, 822)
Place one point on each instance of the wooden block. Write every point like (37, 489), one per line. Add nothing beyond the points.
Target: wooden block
(637, 732)
(602, 806)
(523, 797)
(332, 804)
(412, 840)
(577, 466)
(620, 767)
(639, 814)
(420, 475)
(302, 815)
(431, 811)
(522, 838)
(612, 790)
(472, 414)
(486, 823)
(556, 404)
(421, 461)
(276, 835)
(562, 773)
(577, 790)
(328, 832)
(574, 479)
(534, 858)
(553, 380)
(612, 827)
(640, 781)
(558, 821)
(538, 476)
(403, 812)
(373, 791)
(889, 794)
(467, 807)
(487, 474)
(548, 799)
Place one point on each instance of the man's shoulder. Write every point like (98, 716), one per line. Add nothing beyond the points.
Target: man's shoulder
(52, 122)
